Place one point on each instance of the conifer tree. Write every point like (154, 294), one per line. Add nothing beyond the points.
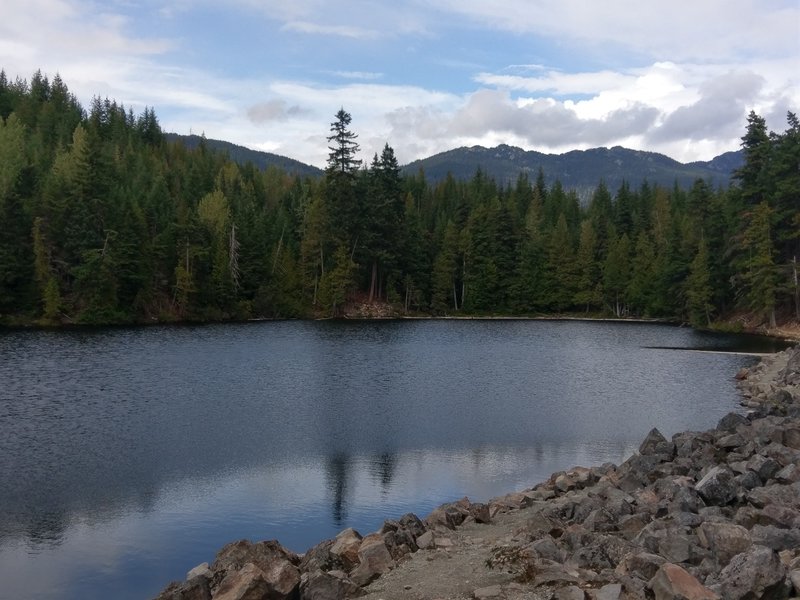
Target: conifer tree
(698, 288)
(588, 274)
(759, 279)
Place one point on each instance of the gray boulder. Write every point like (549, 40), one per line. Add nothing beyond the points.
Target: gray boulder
(757, 573)
(731, 421)
(656, 444)
(775, 538)
(717, 487)
(319, 585)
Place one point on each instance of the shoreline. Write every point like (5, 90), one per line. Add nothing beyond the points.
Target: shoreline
(790, 332)
(678, 517)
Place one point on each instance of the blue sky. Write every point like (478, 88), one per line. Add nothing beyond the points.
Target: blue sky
(426, 75)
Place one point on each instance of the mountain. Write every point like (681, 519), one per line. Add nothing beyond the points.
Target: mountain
(579, 169)
(242, 155)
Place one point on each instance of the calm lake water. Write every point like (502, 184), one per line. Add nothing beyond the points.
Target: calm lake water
(128, 456)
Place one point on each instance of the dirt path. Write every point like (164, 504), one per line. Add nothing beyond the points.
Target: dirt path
(457, 569)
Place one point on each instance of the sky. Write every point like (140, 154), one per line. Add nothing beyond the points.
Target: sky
(426, 76)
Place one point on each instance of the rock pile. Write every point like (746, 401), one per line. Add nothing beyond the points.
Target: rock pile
(702, 516)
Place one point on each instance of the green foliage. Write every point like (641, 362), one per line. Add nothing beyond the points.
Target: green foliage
(698, 288)
(105, 220)
(760, 278)
(617, 275)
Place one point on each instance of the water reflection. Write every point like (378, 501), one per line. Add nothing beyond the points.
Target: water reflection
(129, 456)
(382, 468)
(337, 474)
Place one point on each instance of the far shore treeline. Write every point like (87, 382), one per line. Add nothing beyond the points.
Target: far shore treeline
(103, 221)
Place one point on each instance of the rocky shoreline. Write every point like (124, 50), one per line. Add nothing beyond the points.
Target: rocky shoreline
(705, 515)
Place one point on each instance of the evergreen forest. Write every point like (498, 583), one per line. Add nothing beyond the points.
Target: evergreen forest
(102, 220)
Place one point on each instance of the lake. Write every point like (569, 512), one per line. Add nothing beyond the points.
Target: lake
(130, 455)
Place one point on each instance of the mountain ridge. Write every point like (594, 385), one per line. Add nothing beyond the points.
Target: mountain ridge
(577, 169)
(581, 170)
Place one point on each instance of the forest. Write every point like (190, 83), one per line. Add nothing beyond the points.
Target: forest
(103, 221)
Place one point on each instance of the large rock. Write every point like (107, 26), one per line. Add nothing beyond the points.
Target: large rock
(656, 444)
(757, 573)
(572, 592)
(610, 591)
(671, 582)
(235, 555)
(318, 585)
(480, 512)
(763, 466)
(196, 588)
(776, 538)
(546, 547)
(374, 560)
(282, 579)
(412, 523)
(725, 540)
(266, 562)
(320, 558)
(731, 421)
(717, 487)
(643, 565)
(345, 547)
(784, 495)
(247, 583)
(201, 569)
(791, 437)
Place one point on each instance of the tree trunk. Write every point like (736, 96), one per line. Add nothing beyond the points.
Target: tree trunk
(373, 282)
(796, 289)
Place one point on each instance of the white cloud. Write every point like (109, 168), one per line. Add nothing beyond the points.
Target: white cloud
(362, 75)
(696, 70)
(347, 31)
(681, 30)
(557, 82)
(274, 110)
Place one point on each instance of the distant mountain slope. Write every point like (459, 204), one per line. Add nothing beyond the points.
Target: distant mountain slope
(242, 155)
(578, 169)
